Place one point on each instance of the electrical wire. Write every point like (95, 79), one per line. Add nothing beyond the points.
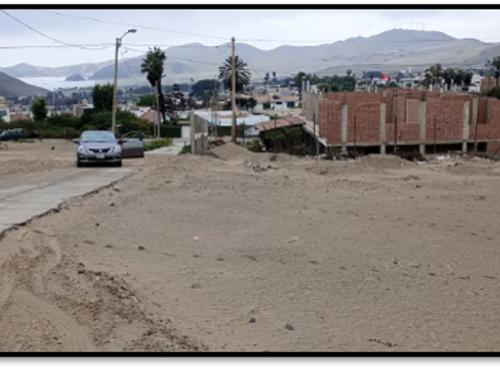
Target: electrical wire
(173, 57)
(129, 69)
(98, 20)
(33, 29)
(101, 46)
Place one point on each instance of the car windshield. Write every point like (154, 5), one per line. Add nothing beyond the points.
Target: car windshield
(98, 136)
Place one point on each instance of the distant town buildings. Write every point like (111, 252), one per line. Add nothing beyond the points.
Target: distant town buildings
(4, 110)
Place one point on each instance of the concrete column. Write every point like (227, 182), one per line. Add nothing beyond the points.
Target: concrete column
(474, 121)
(343, 127)
(466, 126)
(383, 138)
(422, 122)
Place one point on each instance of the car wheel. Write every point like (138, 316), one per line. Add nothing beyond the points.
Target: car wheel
(119, 164)
(79, 164)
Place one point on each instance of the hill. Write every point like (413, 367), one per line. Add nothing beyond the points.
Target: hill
(24, 70)
(77, 77)
(390, 50)
(11, 87)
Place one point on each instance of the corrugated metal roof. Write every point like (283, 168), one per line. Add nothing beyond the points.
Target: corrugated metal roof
(279, 123)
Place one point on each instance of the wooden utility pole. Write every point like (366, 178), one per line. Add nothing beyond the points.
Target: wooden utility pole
(115, 89)
(233, 89)
(158, 118)
(115, 79)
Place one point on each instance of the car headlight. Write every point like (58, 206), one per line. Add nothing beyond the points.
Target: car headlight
(81, 149)
(116, 149)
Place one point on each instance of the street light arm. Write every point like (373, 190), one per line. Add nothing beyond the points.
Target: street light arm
(126, 33)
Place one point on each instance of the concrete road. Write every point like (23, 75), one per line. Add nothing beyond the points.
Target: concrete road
(174, 149)
(41, 193)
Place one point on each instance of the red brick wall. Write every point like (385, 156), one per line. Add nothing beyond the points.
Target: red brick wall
(444, 111)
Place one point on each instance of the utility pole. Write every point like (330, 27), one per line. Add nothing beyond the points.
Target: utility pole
(233, 89)
(113, 115)
(158, 118)
(115, 88)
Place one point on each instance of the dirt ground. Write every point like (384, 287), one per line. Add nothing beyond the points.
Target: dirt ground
(258, 252)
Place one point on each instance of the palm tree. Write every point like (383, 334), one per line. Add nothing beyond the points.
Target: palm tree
(242, 74)
(449, 76)
(433, 75)
(153, 66)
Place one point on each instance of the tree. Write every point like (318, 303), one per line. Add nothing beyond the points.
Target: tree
(146, 100)
(433, 76)
(39, 109)
(267, 78)
(204, 87)
(102, 97)
(241, 71)
(496, 63)
(299, 77)
(449, 76)
(153, 66)
(467, 77)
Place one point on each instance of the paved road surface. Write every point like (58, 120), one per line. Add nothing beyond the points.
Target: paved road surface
(174, 149)
(19, 203)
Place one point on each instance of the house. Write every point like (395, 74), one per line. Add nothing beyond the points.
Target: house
(487, 84)
(4, 110)
(137, 110)
(224, 119)
(150, 115)
(80, 108)
(282, 122)
(376, 77)
(271, 101)
(18, 116)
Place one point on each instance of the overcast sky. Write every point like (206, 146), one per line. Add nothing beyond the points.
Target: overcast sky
(213, 27)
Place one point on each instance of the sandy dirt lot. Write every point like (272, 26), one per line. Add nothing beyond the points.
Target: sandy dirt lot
(258, 252)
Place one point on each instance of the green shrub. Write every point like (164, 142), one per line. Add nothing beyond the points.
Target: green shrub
(64, 120)
(254, 146)
(42, 129)
(185, 150)
(495, 92)
(157, 143)
(170, 131)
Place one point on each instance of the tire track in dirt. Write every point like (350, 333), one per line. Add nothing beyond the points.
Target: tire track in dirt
(51, 302)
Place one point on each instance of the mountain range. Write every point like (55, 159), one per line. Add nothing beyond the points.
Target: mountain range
(11, 87)
(390, 51)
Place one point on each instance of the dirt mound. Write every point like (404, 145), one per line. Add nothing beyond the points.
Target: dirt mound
(231, 152)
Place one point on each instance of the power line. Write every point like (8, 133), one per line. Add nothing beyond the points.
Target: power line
(129, 70)
(158, 29)
(43, 34)
(98, 20)
(252, 66)
(97, 45)
(174, 57)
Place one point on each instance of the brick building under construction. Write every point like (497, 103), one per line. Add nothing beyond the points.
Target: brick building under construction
(406, 119)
